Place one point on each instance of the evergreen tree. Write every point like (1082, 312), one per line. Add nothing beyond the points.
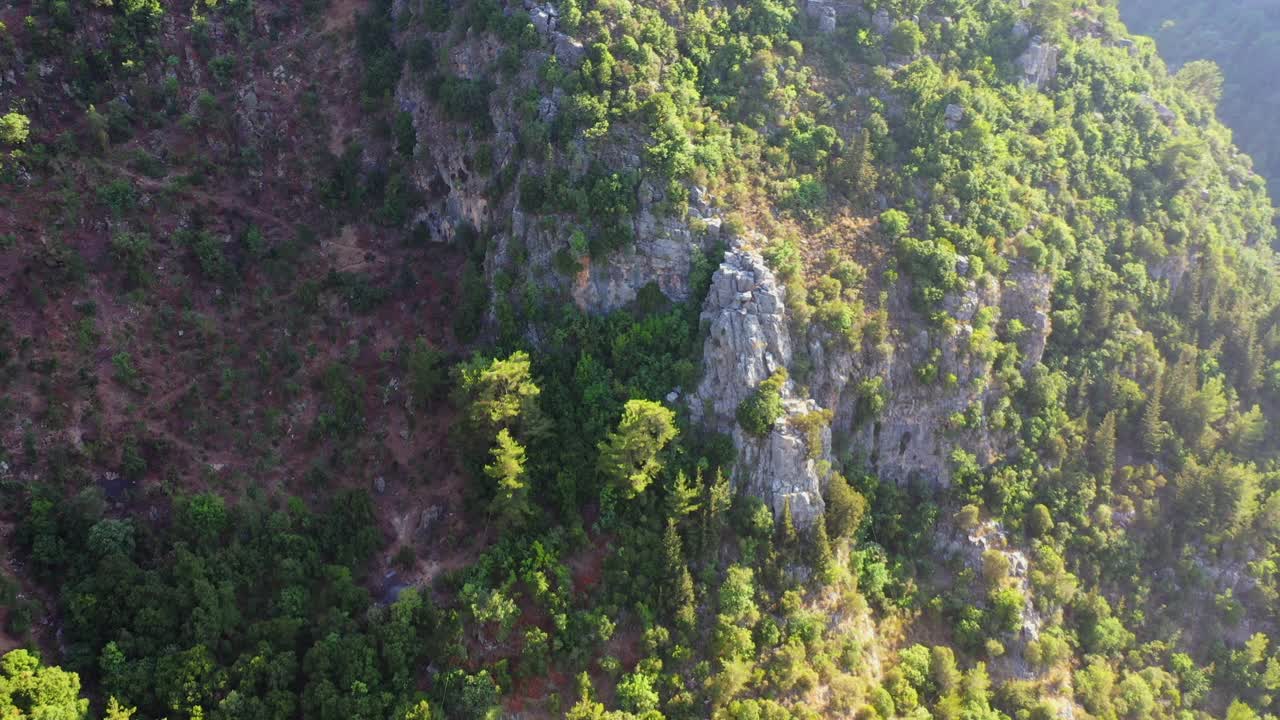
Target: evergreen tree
(714, 508)
(857, 175)
(682, 497)
(629, 455)
(501, 394)
(1251, 359)
(846, 507)
(788, 539)
(511, 504)
(28, 689)
(1153, 430)
(677, 589)
(823, 560)
(116, 711)
(1104, 450)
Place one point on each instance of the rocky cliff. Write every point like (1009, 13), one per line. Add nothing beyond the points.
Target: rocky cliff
(750, 334)
(748, 340)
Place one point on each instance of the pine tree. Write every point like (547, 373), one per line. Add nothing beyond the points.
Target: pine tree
(629, 454)
(501, 394)
(1253, 361)
(511, 503)
(846, 507)
(677, 590)
(1104, 449)
(713, 513)
(1153, 432)
(682, 497)
(823, 560)
(116, 711)
(787, 536)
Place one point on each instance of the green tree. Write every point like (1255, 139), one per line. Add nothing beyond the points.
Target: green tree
(426, 372)
(132, 250)
(28, 690)
(1103, 454)
(737, 595)
(822, 559)
(760, 410)
(116, 711)
(788, 537)
(1153, 427)
(682, 496)
(629, 455)
(846, 507)
(714, 512)
(677, 585)
(511, 504)
(14, 128)
(501, 394)
(906, 38)
(419, 711)
(1201, 78)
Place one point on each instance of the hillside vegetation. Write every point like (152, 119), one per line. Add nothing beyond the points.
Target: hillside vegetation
(629, 359)
(1242, 37)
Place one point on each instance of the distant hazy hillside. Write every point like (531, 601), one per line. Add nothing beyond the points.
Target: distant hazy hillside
(1243, 37)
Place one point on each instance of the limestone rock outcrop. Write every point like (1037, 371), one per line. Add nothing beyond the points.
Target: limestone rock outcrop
(1039, 63)
(782, 469)
(910, 438)
(749, 340)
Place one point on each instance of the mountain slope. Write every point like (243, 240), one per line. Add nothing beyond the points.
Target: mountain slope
(1241, 37)
(615, 359)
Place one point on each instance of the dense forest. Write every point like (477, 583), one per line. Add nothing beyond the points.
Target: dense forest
(1242, 37)
(610, 359)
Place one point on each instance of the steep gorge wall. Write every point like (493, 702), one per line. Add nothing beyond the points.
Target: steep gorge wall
(750, 333)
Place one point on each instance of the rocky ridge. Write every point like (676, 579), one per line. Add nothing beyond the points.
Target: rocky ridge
(750, 333)
(748, 340)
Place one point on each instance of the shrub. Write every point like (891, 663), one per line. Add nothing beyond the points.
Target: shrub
(119, 196)
(763, 407)
(14, 128)
(132, 251)
(426, 372)
(906, 38)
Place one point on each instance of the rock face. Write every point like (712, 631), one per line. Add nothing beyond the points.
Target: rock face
(1039, 63)
(913, 435)
(749, 333)
(748, 338)
(663, 253)
(1026, 298)
(748, 341)
(782, 469)
(969, 548)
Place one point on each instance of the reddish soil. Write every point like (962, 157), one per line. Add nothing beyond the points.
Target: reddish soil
(228, 373)
(588, 565)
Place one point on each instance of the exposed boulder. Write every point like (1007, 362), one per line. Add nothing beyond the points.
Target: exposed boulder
(1039, 63)
(569, 50)
(827, 21)
(882, 22)
(781, 468)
